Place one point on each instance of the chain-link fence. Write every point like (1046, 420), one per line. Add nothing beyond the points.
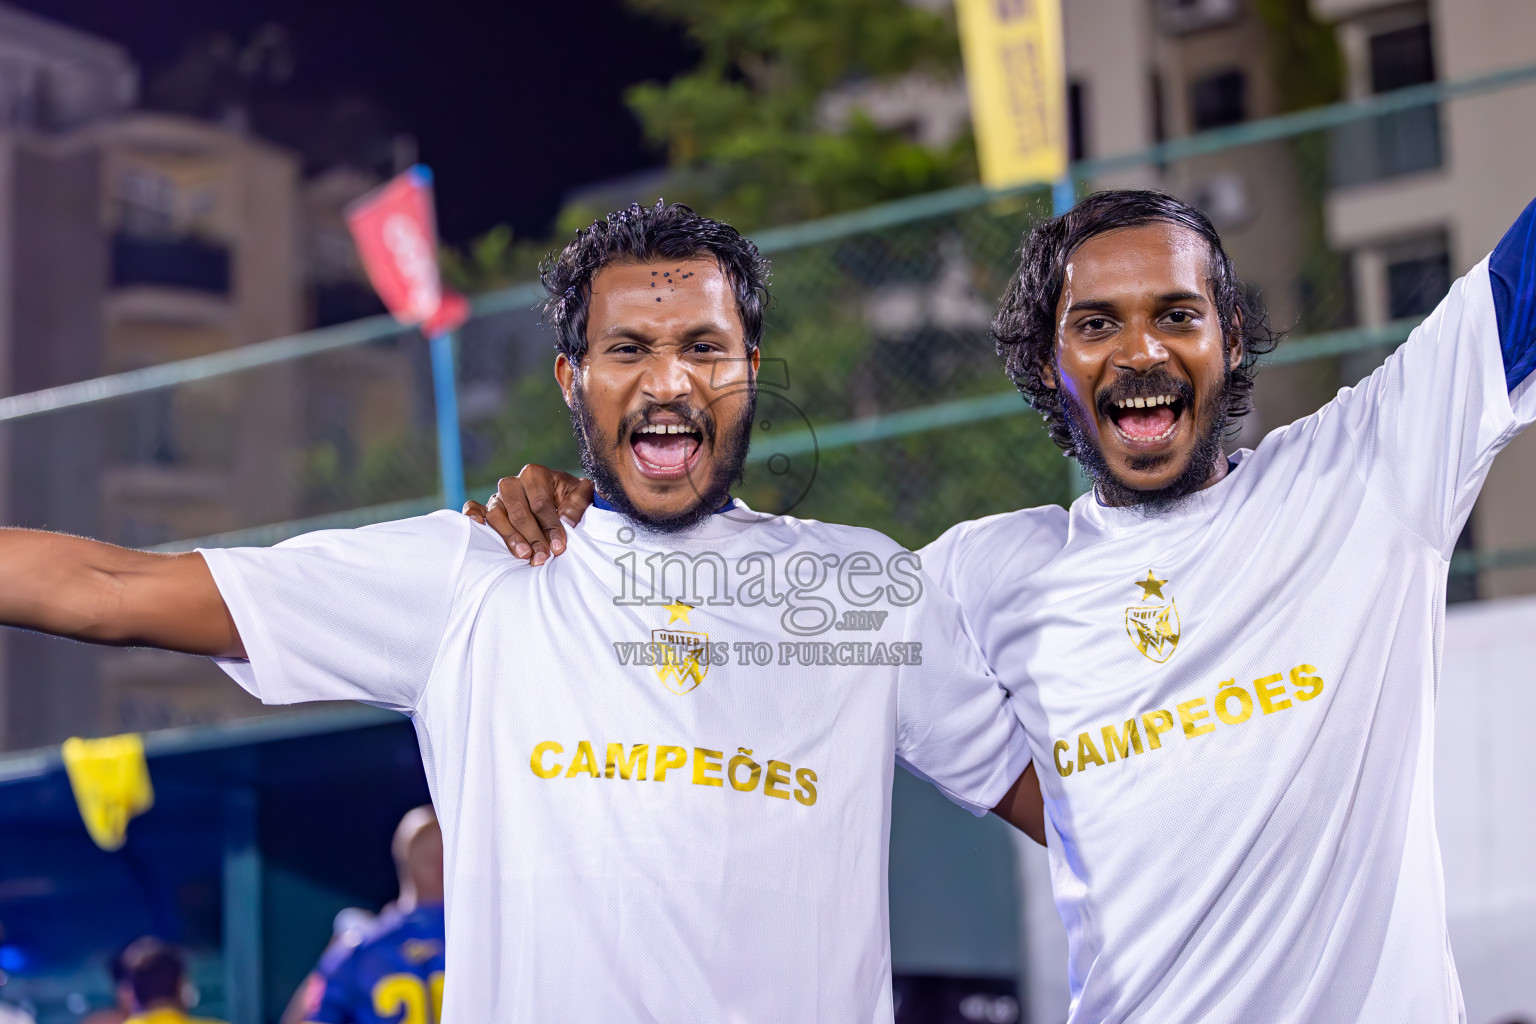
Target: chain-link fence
(882, 402)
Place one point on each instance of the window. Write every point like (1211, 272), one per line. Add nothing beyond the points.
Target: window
(1077, 128)
(1406, 142)
(1224, 198)
(1418, 276)
(170, 263)
(1401, 58)
(1218, 100)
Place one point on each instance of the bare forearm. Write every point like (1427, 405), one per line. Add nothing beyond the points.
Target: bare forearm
(87, 590)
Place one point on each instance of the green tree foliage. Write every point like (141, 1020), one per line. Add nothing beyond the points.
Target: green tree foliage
(494, 260)
(1304, 52)
(746, 133)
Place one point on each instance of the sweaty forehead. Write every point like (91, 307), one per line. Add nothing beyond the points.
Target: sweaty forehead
(1147, 260)
(662, 297)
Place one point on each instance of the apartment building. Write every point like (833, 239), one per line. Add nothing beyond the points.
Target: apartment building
(52, 81)
(1421, 196)
(130, 238)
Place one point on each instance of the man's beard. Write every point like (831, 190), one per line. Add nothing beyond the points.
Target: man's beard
(599, 457)
(1197, 470)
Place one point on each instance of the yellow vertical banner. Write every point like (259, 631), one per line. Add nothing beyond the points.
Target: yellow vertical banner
(1014, 72)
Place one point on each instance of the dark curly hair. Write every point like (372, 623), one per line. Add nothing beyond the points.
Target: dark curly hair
(1025, 325)
(642, 234)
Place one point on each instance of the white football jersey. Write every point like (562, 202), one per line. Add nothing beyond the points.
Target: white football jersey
(1232, 704)
(662, 763)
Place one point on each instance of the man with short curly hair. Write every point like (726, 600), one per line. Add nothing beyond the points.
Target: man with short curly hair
(1227, 666)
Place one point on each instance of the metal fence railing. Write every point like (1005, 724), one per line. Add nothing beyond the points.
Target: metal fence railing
(881, 400)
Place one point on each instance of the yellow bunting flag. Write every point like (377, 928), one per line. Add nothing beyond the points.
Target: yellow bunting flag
(1013, 68)
(111, 782)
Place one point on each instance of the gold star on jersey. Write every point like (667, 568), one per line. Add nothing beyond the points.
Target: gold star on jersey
(1153, 627)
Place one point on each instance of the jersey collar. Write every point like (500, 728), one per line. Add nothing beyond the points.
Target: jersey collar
(600, 502)
(1201, 504)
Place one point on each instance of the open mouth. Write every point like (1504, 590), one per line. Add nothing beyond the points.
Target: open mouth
(1147, 420)
(666, 451)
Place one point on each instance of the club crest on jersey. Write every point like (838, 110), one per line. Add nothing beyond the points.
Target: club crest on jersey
(1154, 627)
(419, 951)
(684, 654)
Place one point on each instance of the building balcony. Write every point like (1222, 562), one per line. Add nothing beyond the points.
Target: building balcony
(185, 263)
(1390, 146)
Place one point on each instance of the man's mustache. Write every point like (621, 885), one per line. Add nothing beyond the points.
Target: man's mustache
(700, 420)
(1143, 385)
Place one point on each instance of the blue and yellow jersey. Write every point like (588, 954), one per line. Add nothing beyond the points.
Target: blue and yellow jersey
(394, 977)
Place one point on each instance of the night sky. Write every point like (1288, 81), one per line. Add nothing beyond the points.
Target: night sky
(512, 103)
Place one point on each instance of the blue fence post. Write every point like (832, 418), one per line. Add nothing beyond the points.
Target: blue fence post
(1063, 194)
(243, 969)
(445, 389)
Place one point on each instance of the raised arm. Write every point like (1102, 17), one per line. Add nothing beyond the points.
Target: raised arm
(1425, 427)
(100, 593)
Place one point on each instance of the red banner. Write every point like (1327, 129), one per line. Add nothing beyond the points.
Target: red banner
(396, 235)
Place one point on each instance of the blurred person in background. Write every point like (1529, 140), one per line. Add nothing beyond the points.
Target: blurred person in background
(351, 926)
(156, 974)
(393, 964)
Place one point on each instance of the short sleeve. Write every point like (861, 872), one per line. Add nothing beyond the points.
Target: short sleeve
(945, 559)
(1428, 423)
(344, 614)
(954, 725)
(969, 559)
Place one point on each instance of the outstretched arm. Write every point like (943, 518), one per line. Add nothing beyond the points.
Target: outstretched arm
(87, 590)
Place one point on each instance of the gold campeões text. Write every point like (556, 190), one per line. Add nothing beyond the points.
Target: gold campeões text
(740, 772)
(1231, 705)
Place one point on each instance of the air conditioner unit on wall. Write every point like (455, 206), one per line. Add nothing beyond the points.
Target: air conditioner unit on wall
(1177, 17)
(1224, 198)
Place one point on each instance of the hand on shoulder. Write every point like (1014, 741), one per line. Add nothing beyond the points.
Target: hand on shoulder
(527, 509)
